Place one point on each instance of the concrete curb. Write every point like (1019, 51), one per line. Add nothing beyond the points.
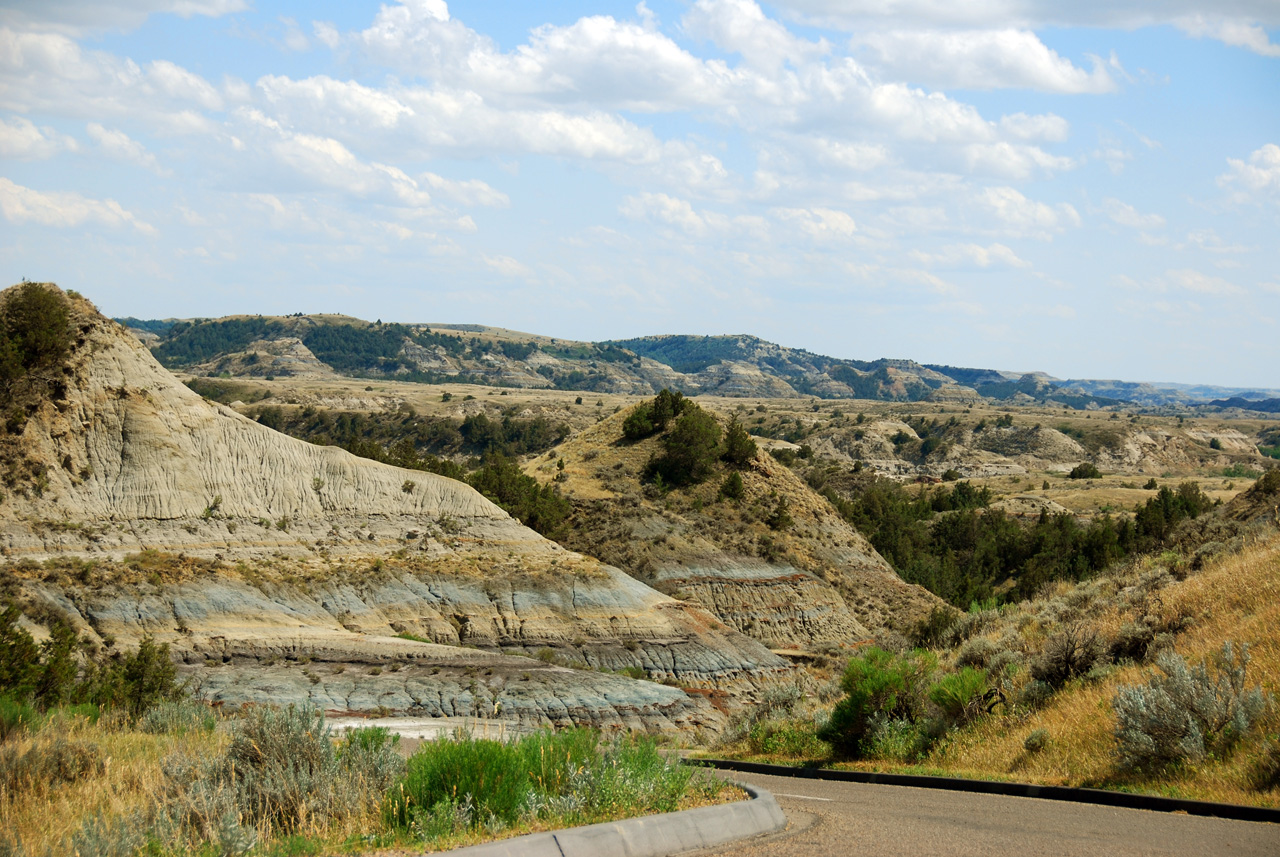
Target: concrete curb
(1102, 797)
(650, 836)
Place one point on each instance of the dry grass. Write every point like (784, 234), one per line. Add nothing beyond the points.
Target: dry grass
(1236, 598)
(130, 780)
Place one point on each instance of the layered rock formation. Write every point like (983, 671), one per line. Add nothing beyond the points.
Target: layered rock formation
(259, 557)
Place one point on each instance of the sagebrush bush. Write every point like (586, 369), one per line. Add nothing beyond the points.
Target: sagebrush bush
(790, 738)
(1187, 711)
(1036, 740)
(178, 718)
(281, 771)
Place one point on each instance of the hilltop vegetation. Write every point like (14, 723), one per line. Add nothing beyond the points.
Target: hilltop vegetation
(948, 541)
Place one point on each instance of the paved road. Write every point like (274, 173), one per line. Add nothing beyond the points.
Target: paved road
(831, 818)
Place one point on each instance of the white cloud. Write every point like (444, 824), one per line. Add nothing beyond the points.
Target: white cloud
(467, 192)
(119, 146)
(1126, 215)
(740, 26)
(326, 33)
(63, 209)
(1025, 216)
(822, 224)
(1211, 242)
(22, 140)
(669, 210)
(982, 59)
(84, 15)
(965, 255)
(294, 39)
(508, 267)
(1194, 281)
(1235, 32)
(1257, 177)
(1012, 161)
(1047, 127)
(49, 73)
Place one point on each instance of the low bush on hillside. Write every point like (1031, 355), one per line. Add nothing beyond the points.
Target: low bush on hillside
(1086, 470)
(1185, 712)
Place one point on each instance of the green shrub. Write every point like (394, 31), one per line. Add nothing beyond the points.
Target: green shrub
(539, 507)
(16, 715)
(650, 418)
(897, 740)
(961, 695)
(732, 488)
(458, 783)
(792, 739)
(1036, 741)
(1085, 470)
(690, 449)
(877, 685)
(739, 448)
(491, 773)
(1186, 712)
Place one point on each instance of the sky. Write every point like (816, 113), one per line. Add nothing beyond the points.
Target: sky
(1089, 189)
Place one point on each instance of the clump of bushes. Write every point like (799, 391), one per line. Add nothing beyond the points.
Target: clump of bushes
(1186, 712)
(1085, 470)
(282, 771)
(65, 670)
(879, 686)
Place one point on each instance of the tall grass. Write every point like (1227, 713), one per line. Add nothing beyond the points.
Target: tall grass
(462, 783)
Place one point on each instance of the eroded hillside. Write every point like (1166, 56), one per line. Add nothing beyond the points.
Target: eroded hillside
(281, 570)
(771, 558)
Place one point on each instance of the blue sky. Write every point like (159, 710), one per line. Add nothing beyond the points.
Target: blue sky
(1087, 189)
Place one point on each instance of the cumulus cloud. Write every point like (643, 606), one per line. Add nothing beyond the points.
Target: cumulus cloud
(1236, 32)
(1046, 127)
(970, 255)
(1021, 215)
(822, 224)
(740, 26)
(1195, 281)
(1257, 177)
(1126, 215)
(982, 59)
(21, 139)
(51, 73)
(63, 209)
(121, 147)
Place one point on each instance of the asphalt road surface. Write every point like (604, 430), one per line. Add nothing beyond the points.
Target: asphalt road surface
(832, 818)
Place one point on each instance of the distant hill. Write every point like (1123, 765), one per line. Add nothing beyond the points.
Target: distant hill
(737, 365)
(1266, 406)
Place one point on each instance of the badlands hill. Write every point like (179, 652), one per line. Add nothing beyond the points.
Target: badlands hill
(777, 563)
(278, 570)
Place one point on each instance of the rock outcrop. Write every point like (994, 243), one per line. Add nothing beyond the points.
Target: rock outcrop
(273, 566)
